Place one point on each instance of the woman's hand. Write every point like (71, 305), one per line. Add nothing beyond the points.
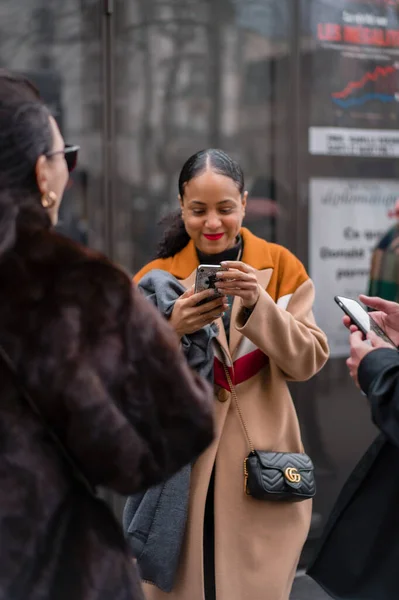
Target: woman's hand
(385, 314)
(187, 317)
(360, 348)
(239, 280)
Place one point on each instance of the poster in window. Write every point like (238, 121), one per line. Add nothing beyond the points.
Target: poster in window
(347, 218)
(354, 100)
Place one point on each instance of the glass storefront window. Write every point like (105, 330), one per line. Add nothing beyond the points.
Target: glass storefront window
(191, 75)
(58, 46)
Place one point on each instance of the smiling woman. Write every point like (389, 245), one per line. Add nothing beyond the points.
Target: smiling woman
(212, 201)
(213, 207)
(236, 547)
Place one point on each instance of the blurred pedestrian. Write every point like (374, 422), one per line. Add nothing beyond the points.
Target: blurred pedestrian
(359, 552)
(384, 271)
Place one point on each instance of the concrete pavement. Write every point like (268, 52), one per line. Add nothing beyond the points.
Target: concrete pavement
(306, 589)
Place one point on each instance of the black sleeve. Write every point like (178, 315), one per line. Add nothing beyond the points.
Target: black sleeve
(379, 379)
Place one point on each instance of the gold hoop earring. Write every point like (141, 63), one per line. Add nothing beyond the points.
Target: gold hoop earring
(49, 200)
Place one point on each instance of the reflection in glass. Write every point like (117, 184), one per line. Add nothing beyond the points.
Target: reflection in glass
(57, 46)
(192, 75)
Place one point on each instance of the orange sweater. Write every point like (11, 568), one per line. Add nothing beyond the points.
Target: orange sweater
(288, 271)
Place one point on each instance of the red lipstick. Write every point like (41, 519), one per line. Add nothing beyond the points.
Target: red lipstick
(213, 237)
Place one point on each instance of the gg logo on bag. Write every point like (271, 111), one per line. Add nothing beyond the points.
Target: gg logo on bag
(292, 475)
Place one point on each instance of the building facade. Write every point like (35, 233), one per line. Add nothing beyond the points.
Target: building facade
(304, 93)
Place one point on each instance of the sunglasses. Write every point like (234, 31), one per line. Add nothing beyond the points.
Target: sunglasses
(70, 153)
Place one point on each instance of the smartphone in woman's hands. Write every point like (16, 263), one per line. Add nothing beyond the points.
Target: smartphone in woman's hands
(206, 279)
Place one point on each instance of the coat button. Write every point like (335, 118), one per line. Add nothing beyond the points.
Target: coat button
(223, 395)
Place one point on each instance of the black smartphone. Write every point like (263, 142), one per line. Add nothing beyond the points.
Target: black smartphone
(205, 279)
(361, 318)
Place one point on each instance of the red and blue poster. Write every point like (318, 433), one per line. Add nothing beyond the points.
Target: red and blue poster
(354, 104)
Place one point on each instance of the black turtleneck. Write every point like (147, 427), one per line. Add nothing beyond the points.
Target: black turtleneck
(215, 259)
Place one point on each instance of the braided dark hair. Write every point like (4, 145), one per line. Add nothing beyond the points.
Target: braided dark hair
(175, 236)
(25, 135)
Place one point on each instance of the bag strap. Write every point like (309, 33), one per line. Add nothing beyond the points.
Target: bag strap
(76, 470)
(235, 398)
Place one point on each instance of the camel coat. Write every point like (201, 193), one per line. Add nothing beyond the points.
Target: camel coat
(257, 544)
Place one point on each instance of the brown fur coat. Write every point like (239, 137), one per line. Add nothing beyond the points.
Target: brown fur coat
(107, 373)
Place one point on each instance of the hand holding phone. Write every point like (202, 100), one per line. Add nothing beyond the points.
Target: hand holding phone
(198, 307)
(361, 318)
(385, 313)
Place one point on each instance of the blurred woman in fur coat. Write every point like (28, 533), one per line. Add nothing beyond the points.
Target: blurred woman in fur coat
(102, 367)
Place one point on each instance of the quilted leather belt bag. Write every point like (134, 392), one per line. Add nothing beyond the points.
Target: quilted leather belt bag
(275, 476)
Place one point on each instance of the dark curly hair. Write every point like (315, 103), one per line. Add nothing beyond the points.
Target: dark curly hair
(175, 236)
(25, 135)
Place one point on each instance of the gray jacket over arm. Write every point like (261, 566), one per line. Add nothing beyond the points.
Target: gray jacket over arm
(154, 521)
